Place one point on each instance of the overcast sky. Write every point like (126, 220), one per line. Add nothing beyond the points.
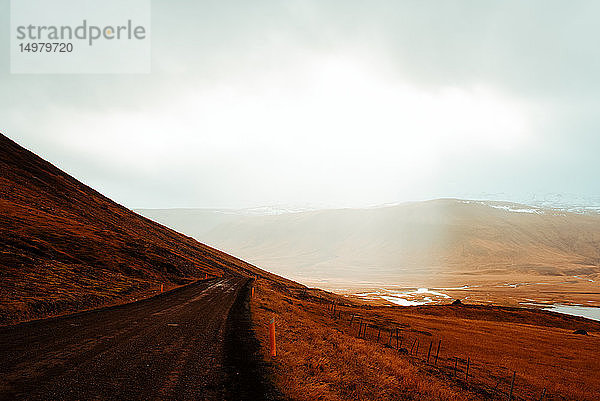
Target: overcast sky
(332, 103)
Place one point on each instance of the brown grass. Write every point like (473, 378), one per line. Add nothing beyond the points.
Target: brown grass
(321, 358)
(317, 360)
(65, 247)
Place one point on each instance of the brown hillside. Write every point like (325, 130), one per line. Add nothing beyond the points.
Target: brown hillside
(64, 246)
(391, 353)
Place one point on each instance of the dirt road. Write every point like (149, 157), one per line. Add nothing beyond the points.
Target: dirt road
(177, 345)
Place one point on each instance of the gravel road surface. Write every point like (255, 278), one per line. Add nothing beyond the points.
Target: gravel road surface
(177, 345)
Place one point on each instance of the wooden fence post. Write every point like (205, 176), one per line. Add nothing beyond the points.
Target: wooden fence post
(351, 319)
(543, 394)
(429, 352)
(378, 334)
(467, 373)
(512, 386)
(413, 346)
(397, 347)
(438, 352)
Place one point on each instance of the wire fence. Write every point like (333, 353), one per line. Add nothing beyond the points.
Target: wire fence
(426, 350)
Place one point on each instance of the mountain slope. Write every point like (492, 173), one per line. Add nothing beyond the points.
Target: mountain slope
(420, 243)
(64, 246)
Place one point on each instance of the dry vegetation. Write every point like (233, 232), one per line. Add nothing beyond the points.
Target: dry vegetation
(320, 357)
(318, 360)
(65, 247)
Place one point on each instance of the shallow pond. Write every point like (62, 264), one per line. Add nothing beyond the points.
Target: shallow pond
(583, 311)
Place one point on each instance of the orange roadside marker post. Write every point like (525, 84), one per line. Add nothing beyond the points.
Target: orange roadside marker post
(272, 337)
(205, 276)
(252, 294)
(161, 288)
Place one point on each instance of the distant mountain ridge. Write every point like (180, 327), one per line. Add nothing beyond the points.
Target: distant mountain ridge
(411, 241)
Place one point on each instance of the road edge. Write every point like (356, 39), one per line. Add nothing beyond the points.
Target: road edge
(246, 369)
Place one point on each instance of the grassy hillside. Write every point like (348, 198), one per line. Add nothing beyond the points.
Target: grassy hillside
(321, 355)
(64, 246)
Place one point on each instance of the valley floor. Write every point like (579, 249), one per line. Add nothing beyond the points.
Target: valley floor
(509, 290)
